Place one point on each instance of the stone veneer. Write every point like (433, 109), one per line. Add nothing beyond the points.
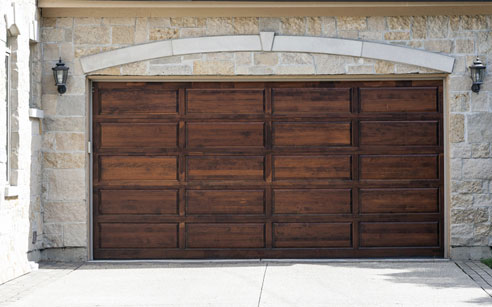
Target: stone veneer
(469, 133)
(21, 208)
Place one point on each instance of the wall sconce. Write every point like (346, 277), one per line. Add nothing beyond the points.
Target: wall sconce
(60, 73)
(477, 74)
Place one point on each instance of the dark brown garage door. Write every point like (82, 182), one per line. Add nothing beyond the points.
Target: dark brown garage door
(268, 170)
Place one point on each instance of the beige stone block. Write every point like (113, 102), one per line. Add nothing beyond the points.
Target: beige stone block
(460, 150)
(460, 83)
(112, 71)
(75, 85)
(246, 25)
(479, 127)
(159, 22)
(63, 160)
(293, 25)
(92, 35)
(68, 36)
(269, 24)
(219, 56)
(376, 23)
(141, 32)
(87, 21)
(48, 141)
(266, 58)
(49, 103)
(124, 21)
(71, 105)
(444, 46)
(166, 60)
(69, 141)
(397, 36)
(49, 22)
(52, 228)
(459, 102)
(80, 51)
(329, 26)
(437, 26)
(243, 58)
(66, 52)
(481, 150)
(122, 35)
(313, 26)
(64, 22)
(52, 35)
(48, 85)
(416, 44)
(331, 64)
(170, 70)
(72, 124)
(295, 70)
(75, 235)
(398, 22)
(480, 102)
(191, 32)
(156, 34)
(296, 58)
(384, 67)
(455, 169)
(461, 200)
(469, 216)
(360, 69)
(64, 212)
(477, 168)
(484, 42)
(467, 187)
(482, 233)
(457, 128)
(138, 68)
(419, 27)
(53, 240)
(213, 68)
(372, 36)
(183, 22)
(51, 52)
(350, 34)
(464, 46)
(65, 184)
(241, 70)
(260, 70)
(352, 23)
(476, 22)
(219, 26)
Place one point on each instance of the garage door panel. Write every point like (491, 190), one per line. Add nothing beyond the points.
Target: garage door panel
(312, 167)
(394, 167)
(138, 235)
(121, 168)
(310, 100)
(216, 134)
(311, 134)
(225, 101)
(225, 202)
(141, 101)
(399, 234)
(138, 202)
(312, 201)
(240, 235)
(398, 99)
(138, 135)
(225, 167)
(403, 133)
(410, 200)
(312, 235)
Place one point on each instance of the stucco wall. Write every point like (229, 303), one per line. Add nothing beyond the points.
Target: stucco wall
(65, 178)
(20, 212)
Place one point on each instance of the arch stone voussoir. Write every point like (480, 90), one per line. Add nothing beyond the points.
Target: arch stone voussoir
(267, 42)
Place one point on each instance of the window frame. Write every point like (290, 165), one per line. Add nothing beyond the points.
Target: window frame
(8, 112)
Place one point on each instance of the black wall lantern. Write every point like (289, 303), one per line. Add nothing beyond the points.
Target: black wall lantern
(60, 73)
(477, 74)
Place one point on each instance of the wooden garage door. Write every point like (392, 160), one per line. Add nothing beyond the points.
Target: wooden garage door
(268, 170)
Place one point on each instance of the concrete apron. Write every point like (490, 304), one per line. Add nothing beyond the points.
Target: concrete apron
(248, 283)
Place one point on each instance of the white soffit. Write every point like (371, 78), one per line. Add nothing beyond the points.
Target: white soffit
(232, 43)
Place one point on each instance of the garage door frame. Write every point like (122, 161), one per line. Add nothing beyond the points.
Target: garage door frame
(361, 78)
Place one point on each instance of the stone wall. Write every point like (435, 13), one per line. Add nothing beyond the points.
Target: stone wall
(20, 201)
(65, 182)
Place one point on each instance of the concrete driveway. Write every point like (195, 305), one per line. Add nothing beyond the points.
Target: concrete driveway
(441, 283)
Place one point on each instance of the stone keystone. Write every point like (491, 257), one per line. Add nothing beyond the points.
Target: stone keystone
(267, 40)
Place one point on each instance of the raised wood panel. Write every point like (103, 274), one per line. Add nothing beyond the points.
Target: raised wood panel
(310, 100)
(398, 99)
(138, 202)
(412, 200)
(311, 134)
(138, 135)
(214, 134)
(389, 167)
(403, 133)
(399, 234)
(135, 100)
(311, 201)
(312, 167)
(225, 101)
(138, 235)
(116, 168)
(311, 235)
(240, 235)
(225, 201)
(225, 167)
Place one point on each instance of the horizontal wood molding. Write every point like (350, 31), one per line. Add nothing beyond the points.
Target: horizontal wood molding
(85, 8)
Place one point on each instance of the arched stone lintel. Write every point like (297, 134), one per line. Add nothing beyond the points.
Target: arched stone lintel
(267, 41)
